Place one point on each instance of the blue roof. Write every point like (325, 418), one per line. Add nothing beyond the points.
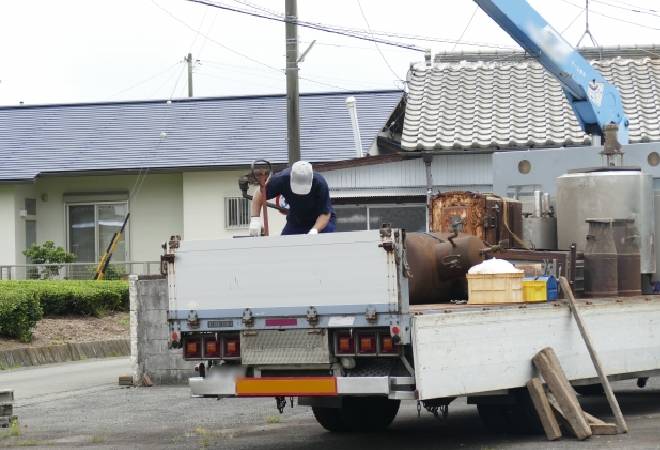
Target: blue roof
(189, 133)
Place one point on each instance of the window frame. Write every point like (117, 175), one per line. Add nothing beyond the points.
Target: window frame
(227, 201)
(377, 205)
(67, 231)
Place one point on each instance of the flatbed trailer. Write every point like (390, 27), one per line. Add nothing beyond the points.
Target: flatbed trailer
(326, 319)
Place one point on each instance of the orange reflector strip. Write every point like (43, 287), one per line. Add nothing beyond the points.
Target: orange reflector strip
(270, 387)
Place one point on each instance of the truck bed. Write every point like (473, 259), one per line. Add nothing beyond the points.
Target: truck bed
(468, 349)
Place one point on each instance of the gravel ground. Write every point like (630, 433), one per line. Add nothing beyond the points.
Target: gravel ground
(59, 330)
(166, 417)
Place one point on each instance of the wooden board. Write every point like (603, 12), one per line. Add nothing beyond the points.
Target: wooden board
(547, 364)
(543, 409)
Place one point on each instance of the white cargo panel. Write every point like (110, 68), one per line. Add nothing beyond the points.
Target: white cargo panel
(329, 270)
(474, 350)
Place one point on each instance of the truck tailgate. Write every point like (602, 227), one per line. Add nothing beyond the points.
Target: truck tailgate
(282, 275)
(461, 351)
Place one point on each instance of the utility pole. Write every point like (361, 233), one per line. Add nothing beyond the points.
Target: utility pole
(292, 108)
(189, 60)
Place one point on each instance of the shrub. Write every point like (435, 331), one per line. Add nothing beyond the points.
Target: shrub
(47, 253)
(61, 297)
(19, 312)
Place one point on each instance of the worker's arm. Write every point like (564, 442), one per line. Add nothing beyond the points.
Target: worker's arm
(321, 223)
(255, 213)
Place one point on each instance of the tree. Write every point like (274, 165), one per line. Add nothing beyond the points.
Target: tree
(47, 253)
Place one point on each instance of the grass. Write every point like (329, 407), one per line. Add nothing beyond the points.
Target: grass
(97, 439)
(124, 321)
(273, 419)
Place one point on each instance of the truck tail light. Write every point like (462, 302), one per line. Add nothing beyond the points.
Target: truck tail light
(231, 347)
(211, 348)
(367, 343)
(345, 344)
(387, 344)
(192, 348)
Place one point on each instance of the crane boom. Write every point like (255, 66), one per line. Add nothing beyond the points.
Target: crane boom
(595, 101)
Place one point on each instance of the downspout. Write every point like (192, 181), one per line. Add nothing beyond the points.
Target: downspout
(352, 111)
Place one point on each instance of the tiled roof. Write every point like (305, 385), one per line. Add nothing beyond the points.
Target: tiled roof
(504, 104)
(190, 133)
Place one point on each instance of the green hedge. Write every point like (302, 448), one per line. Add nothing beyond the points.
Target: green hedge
(19, 312)
(89, 298)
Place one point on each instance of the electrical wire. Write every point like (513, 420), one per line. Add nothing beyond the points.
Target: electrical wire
(356, 34)
(572, 22)
(650, 12)
(618, 19)
(139, 83)
(366, 21)
(476, 7)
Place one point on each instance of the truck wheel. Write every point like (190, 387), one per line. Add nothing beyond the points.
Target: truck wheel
(590, 389)
(361, 414)
(517, 417)
(330, 419)
(369, 413)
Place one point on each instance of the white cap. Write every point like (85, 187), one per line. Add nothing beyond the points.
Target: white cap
(301, 177)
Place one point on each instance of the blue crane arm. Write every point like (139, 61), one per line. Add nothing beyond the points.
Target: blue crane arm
(596, 102)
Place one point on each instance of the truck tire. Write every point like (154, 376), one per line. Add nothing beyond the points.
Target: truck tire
(330, 419)
(360, 414)
(517, 417)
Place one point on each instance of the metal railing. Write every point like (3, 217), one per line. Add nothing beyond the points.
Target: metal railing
(77, 271)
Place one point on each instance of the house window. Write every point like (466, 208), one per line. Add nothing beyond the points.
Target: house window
(371, 217)
(31, 206)
(237, 212)
(91, 227)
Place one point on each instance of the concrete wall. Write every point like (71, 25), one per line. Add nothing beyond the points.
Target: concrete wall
(204, 196)
(156, 210)
(149, 335)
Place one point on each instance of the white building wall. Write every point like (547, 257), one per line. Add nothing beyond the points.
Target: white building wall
(204, 196)
(7, 224)
(156, 210)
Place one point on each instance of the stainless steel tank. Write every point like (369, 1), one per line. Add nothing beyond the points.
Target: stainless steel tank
(541, 232)
(622, 193)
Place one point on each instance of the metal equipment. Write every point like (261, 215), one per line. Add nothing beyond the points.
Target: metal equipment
(621, 193)
(540, 228)
(493, 219)
(600, 260)
(437, 263)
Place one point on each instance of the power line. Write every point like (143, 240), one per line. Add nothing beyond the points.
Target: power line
(310, 25)
(572, 22)
(476, 7)
(650, 12)
(363, 32)
(366, 21)
(139, 83)
(618, 19)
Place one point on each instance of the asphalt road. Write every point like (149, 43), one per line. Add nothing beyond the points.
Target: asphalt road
(79, 405)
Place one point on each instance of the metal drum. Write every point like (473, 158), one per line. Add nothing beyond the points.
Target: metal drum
(438, 263)
(600, 260)
(626, 239)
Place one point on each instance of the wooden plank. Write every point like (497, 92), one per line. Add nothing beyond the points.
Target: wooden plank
(600, 427)
(621, 425)
(566, 397)
(543, 409)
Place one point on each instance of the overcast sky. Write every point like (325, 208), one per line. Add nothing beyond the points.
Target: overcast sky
(71, 51)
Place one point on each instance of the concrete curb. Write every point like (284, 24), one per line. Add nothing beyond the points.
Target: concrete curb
(76, 351)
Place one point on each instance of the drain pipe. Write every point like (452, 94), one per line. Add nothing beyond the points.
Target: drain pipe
(352, 111)
(428, 160)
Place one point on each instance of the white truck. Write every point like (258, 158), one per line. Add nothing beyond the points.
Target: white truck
(327, 319)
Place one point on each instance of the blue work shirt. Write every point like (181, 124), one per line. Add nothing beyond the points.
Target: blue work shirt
(303, 209)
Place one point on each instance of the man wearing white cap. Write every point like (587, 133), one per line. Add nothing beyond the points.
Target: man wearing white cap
(308, 196)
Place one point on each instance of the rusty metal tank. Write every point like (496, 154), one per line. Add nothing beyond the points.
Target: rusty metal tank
(438, 263)
(626, 239)
(600, 260)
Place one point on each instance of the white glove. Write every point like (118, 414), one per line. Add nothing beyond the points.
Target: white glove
(255, 226)
(313, 231)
